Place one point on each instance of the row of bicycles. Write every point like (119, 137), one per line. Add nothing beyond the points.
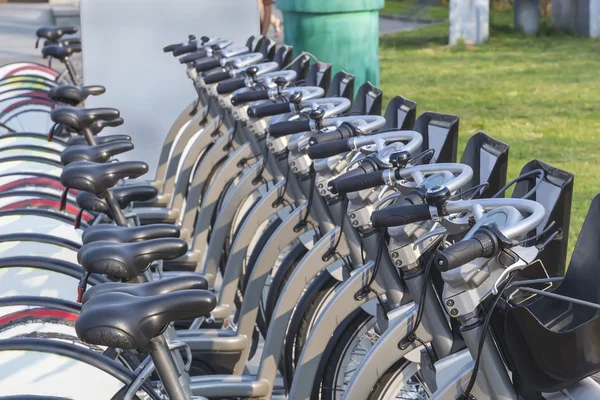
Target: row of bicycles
(289, 225)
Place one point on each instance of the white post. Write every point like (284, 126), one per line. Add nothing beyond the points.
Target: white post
(469, 21)
(527, 16)
(579, 17)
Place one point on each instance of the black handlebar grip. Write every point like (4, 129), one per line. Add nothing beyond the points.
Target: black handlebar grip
(268, 110)
(324, 150)
(171, 47)
(482, 244)
(193, 56)
(401, 213)
(285, 128)
(208, 63)
(231, 85)
(184, 49)
(248, 96)
(344, 184)
(216, 77)
(344, 131)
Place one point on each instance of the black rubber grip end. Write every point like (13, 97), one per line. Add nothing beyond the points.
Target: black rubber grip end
(324, 150)
(268, 110)
(184, 49)
(216, 77)
(344, 131)
(171, 47)
(280, 129)
(482, 244)
(207, 64)
(249, 96)
(230, 85)
(401, 213)
(197, 55)
(347, 184)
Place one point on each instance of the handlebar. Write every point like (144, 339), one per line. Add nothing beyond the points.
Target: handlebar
(231, 85)
(324, 150)
(482, 244)
(345, 131)
(185, 49)
(268, 110)
(208, 63)
(366, 180)
(407, 211)
(216, 77)
(197, 55)
(285, 128)
(248, 96)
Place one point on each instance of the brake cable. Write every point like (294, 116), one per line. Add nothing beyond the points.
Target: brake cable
(411, 336)
(304, 221)
(333, 250)
(366, 289)
(466, 395)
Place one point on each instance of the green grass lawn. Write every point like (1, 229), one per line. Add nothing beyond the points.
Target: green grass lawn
(406, 7)
(540, 95)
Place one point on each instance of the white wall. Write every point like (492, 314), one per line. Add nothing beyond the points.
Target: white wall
(122, 50)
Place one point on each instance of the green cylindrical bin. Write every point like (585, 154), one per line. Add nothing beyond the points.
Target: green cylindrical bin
(344, 33)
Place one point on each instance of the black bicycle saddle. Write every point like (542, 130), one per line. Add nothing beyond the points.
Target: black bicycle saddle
(154, 288)
(127, 261)
(128, 234)
(79, 140)
(61, 52)
(125, 195)
(81, 118)
(129, 322)
(55, 33)
(98, 178)
(100, 153)
(74, 95)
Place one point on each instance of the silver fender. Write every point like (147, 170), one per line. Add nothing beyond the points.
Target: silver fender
(283, 236)
(230, 168)
(259, 213)
(233, 200)
(201, 177)
(385, 352)
(308, 268)
(343, 304)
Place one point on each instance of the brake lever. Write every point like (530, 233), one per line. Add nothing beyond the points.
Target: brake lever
(433, 233)
(525, 255)
(454, 228)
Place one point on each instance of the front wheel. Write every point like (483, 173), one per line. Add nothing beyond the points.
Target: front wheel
(358, 333)
(402, 381)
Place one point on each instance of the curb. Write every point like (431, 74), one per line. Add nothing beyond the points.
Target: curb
(404, 18)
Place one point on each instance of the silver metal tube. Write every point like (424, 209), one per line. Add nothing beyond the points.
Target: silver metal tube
(494, 371)
(415, 139)
(535, 209)
(464, 173)
(389, 276)
(367, 123)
